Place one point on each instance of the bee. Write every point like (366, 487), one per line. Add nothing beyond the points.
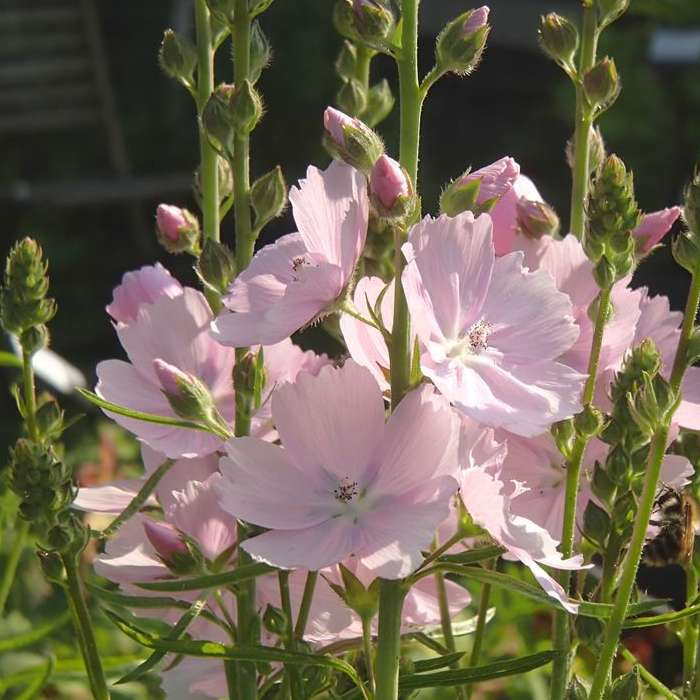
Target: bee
(672, 516)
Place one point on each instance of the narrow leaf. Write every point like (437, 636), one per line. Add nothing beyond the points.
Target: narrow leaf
(226, 578)
(476, 674)
(473, 556)
(439, 662)
(7, 359)
(34, 635)
(37, 685)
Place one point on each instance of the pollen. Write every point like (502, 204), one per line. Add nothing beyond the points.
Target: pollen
(478, 336)
(346, 490)
(297, 262)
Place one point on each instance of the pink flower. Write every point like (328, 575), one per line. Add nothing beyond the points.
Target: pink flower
(293, 281)
(139, 287)
(334, 121)
(477, 19)
(170, 219)
(365, 344)
(654, 227)
(388, 181)
(165, 539)
(345, 483)
(492, 331)
(498, 178)
(483, 493)
(175, 331)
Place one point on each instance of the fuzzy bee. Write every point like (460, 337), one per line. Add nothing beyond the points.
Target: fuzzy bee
(672, 519)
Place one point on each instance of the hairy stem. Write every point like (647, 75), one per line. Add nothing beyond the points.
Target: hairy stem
(562, 629)
(584, 121)
(391, 597)
(480, 624)
(292, 670)
(367, 651)
(305, 607)
(83, 628)
(208, 173)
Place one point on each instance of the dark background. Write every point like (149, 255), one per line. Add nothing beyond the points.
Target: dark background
(517, 103)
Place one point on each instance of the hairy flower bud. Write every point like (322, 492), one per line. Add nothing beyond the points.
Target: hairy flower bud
(216, 266)
(225, 179)
(390, 188)
(460, 44)
(351, 140)
(691, 206)
(275, 621)
(260, 52)
(165, 539)
(380, 102)
(559, 38)
(610, 10)
(177, 229)
(346, 61)
(374, 20)
(352, 97)
(268, 196)
(601, 84)
(177, 56)
(597, 152)
(246, 108)
(536, 219)
(686, 252)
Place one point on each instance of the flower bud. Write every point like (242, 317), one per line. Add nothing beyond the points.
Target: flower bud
(246, 108)
(589, 422)
(686, 252)
(461, 43)
(627, 687)
(380, 102)
(559, 38)
(216, 116)
(275, 621)
(165, 539)
(576, 689)
(52, 566)
(352, 97)
(351, 140)
(344, 20)
(596, 524)
(177, 56)
(536, 219)
(691, 205)
(564, 435)
(223, 10)
(610, 10)
(346, 61)
(601, 84)
(49, 419)
(34, 339)
(268, 197)
(374, 20)
(604, 273)
(390, 188)
(260, 52)
(177, 229)
(596, 152)
(216, 266)
(188, 396)
(225, 179)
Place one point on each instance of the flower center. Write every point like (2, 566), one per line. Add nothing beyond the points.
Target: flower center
(474, 341)
(346, 490)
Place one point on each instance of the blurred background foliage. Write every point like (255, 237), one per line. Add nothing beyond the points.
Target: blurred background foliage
(517, 103)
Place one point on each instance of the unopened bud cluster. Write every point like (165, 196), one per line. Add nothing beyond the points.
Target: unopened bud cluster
(177, 229)
(24, 306)
(686, 247)
(612, 215)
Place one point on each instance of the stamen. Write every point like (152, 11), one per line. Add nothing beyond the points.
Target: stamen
(346, 490)
(478, 336)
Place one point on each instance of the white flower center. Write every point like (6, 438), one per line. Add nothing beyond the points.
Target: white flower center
(473, 342)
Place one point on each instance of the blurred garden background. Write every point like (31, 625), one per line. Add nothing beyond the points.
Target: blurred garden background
(93, 136)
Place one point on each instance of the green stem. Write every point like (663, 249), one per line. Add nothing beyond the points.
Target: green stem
(362, 65)
(367, 650)
(292, 670)
(305, 607)
(208, 172)
(561, 637)
(446, 624)
(690, 631)
(83, 628)
(8, 574)
(391, 597)
(652, 681)
(29, 395)
(480, 625)
(610, 564)
(584, 121)
(646, 504)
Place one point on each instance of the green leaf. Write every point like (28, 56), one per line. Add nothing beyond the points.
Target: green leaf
(664, 619)
(37, 685)
(177, 631)
(7, 359)
(139, 499)
(34, 635)
(209, 649)
(424, 665)
(138, 415)
(473, 556)
(476, 674)
(226, 578)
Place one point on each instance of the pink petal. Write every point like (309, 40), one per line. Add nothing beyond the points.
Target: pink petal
(450, 262)
(331, 423)
(676, 472)
(110, 498)
(504, 215)
(654, 227)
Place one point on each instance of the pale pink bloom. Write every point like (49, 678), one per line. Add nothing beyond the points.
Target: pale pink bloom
(653, 227)
(299, 277)
(365, 344)
(492, 330)
(662, 325)
(165, 539)
(572, 271)
(170, 219)
(112, 498)
(175, 331)
(387, 181)
(334, 121)
(485, 497)
(140, 287)
(477, 19)
(495, 180)
(345, 483)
